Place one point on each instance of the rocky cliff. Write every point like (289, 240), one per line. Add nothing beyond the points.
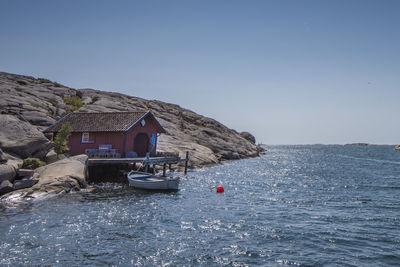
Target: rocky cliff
(39, 102)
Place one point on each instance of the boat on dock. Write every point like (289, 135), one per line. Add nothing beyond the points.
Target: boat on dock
(149, 181)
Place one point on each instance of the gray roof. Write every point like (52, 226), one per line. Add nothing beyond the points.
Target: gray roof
(102, 122)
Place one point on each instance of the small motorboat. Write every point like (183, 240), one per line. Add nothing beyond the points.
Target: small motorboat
(149, 181)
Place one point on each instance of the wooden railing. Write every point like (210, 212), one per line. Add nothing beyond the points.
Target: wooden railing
(167, 154)
(102, 153)
(114, 153)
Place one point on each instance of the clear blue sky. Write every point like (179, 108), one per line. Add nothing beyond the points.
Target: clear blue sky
(290, 72)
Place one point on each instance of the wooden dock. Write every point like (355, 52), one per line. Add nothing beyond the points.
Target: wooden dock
(114, 164)
(148, 161)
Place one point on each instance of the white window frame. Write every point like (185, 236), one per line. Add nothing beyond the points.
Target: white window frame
(85, 138)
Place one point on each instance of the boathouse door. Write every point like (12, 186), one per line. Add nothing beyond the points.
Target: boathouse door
(141, 144)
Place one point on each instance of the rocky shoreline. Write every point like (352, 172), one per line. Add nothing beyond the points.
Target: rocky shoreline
(29, 105)
(60, 177)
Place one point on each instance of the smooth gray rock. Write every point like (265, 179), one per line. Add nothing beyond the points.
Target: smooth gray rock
(248, 136)
(38, 118)
(51, 156)
(41, 154)
(14, 162)
(25, 172)
(20, 137)
(7, 173)
(63, 176)
(3, 158)
(5, 187)
(24, 183)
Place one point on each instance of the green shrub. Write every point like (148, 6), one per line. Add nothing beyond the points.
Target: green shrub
(42, 80)
(32, 163)
(73, 103)
(36, 105)
(56, 84)
(53, 102)
(22, 82)
(94, 99)
(61, 139)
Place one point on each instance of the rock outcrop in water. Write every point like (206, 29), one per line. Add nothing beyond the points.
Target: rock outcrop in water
(29, 105)
(63, 176)
(41, 102)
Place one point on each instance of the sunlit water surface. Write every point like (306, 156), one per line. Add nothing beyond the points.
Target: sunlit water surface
(295, 205)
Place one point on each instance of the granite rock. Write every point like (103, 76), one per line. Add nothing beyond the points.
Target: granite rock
(5, 187)
(51, 156)
(7, 173)
(24, 183)
(25, 172)
(20, 137)
(248, 136)
(40, 102)
(63, 176)
(3, 158)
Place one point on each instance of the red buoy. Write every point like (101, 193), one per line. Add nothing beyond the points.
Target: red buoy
(220, 189)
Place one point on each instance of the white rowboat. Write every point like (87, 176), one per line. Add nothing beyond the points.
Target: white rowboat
(152, 182)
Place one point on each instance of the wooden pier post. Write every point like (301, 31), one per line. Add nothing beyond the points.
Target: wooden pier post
(164, 169)
(186, 161)
(146, 163)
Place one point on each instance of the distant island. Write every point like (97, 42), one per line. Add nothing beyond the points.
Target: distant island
(396, 147)
(358, 144)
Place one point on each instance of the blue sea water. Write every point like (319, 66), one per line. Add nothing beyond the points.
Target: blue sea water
(296, 205)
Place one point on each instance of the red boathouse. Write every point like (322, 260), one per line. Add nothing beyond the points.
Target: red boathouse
(124, 133)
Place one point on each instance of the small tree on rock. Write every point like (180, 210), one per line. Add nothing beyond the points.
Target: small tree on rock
(61, 138)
